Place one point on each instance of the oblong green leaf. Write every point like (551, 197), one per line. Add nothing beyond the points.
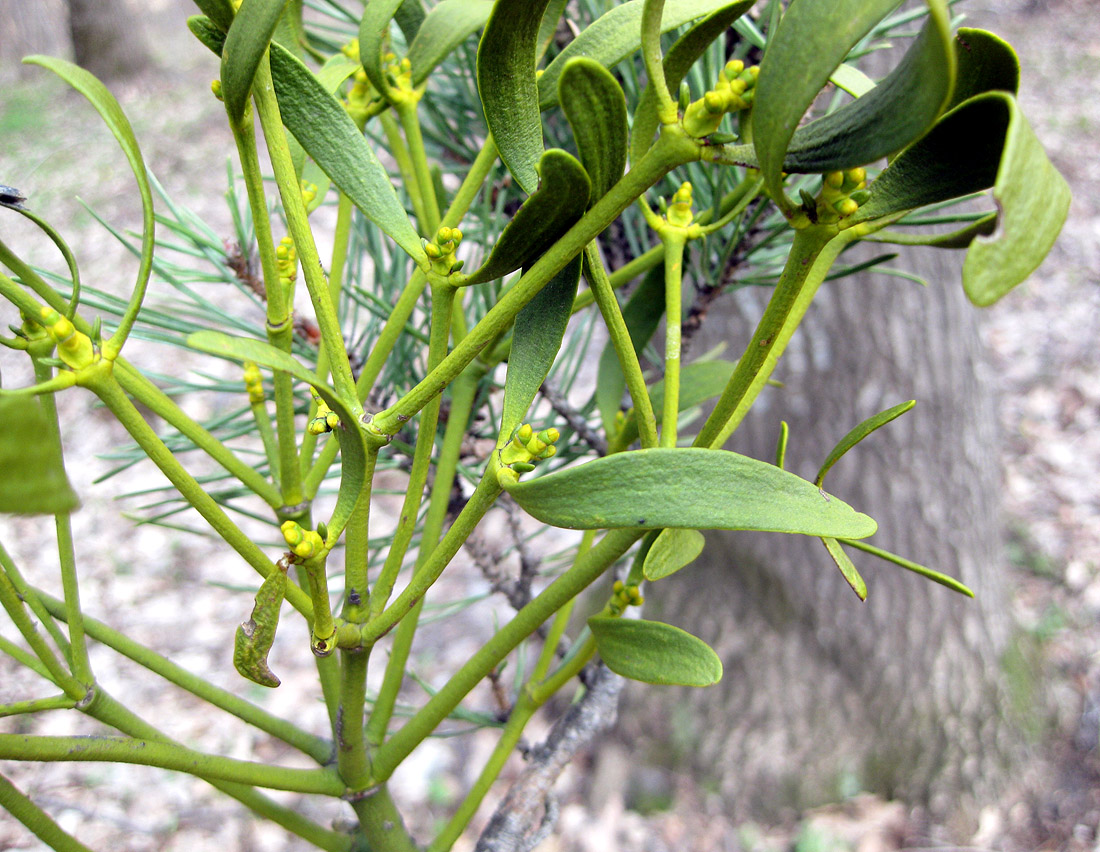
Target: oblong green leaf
(245, 44)
(909, 565)
(595, 106)
(374, 31)
(847, 567)
(655, 652)
(986, 63)
(983, 142)
(220, 12)
(539, 329)
(689, 488)
(506, 60)
(886, 119)
(617, 34)
(330, 137)
(558, 202)
(410, 17)
(32, 472)
(811, 41)
(353, 448)
(672, 550)
(860, 432)
(445, 27)
(679, 59)
(322, 126)
(115, 119)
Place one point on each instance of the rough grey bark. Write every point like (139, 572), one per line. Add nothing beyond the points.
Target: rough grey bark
(107, 38)
(900, 695)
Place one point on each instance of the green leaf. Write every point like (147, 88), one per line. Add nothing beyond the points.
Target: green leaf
(983, 142)
(445, 27)
(289, 31)
(330, 137)
(254, 638)
(220, 12)
(321, 124)
(689, 488)
(374, 32)
(961, 238)
(549, 26)
(539, 329)
(886, 119)
(654, 652)
(353, 447)
(846, 566)
(410, 17)
(934, 576)
(781, 444)
(986, 63)
(559, 201)
(509, 93)
(811, 41)
(672, 550)
(594, 103)
(116, 121)
(205, 30)
(858, 434)
(33, 480)
(617, 34)
(642, 315)
(687, 49)
(245, 44)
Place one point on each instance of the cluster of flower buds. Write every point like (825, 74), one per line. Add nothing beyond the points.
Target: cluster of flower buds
(305, 544)
(525, 450)
(398, 72)
(326, 419)
(286, 260)
(74, 348)
(309, 192)
(623, 596)
(733, 92)
(841, 195)
(442, 250)
(679, 212)
(253, 382)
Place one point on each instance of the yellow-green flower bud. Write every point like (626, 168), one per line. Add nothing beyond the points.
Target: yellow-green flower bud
(253, 382)
(733, 68)
(845, 207)
(834, 180)
(216, 88)
(679, 212)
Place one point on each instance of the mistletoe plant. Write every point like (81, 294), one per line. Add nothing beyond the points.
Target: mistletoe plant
(457, 303)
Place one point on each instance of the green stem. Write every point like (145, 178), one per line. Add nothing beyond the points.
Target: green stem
(24, 659)
(526, 621)
(673, 240)
(352, 759)
(290, 191)
(168, 755)
(316, 747)
(672, 148)
(654, 65)
(463, 393)
(356, 548)
(78, 648)
(341, 239)
(410, 122)
(38, 705)
(619, 335)
(39, 822)
(267, 436)
(280, 322)
(401, 156)
(488, 489)
(32, 598)
(812, 253)
(112, 395)
(10, 600)
(442, 302)
(381, 822)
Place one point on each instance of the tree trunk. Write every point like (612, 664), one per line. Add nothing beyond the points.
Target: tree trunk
(107, 38)
(901, 695)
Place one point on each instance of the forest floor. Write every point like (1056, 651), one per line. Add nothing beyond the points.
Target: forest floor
(1043, 338)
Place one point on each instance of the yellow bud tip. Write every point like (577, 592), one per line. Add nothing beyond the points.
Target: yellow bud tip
(216, 88)
(834, 179)
(292, 532)
(856, 175)
(846, 207)
(332, 419)
(733, 68)
(303, 549)
(525, 432)
(550, 435)
(714, 103)
(618, 586)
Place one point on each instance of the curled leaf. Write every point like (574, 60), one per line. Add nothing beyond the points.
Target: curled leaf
(254, 638)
